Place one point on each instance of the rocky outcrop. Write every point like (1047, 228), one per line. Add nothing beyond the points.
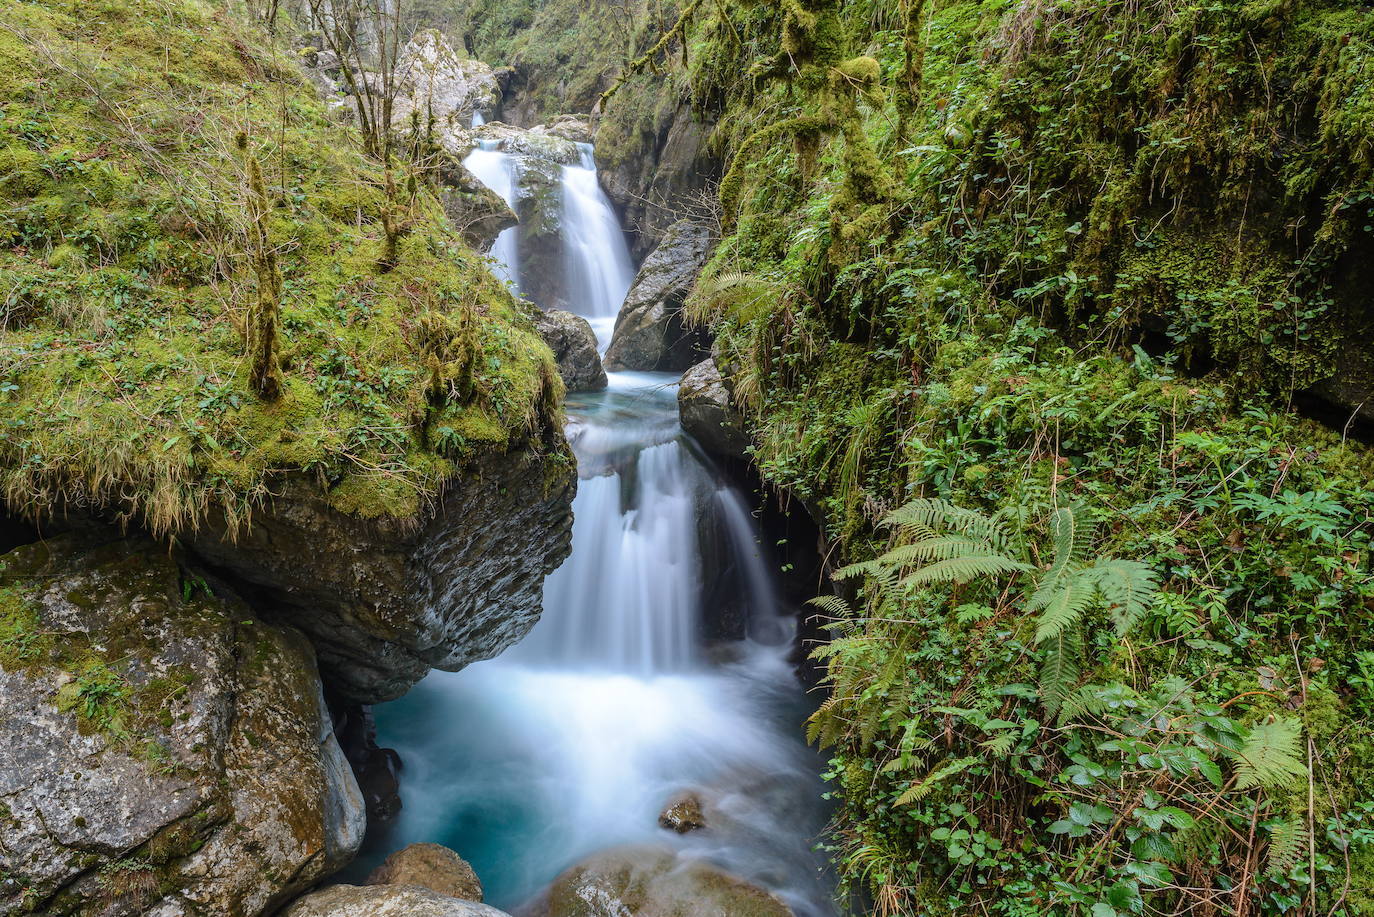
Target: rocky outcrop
(653, 882)
(650, 332)
(386, 901)
(434, 81)
(475, 210)
(378, 769)
(708, 414)
(652, 149)
(430, 866)
(385, 599)
(161, 751)
(573, 343)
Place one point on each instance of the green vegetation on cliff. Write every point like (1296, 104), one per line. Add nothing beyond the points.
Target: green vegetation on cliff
(169, 183)
(1039, 258)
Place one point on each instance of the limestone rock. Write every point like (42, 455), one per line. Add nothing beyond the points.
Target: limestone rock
(652, 882)
(573, 343)
(435, 81)
(682, 814)
(385, 599)
(430, 866)
(707, 412)
(568, 127)
(161, 751)
(650, 333)
(385, 901)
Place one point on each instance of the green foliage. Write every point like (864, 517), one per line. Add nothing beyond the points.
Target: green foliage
(1025, 272)
(142, 250)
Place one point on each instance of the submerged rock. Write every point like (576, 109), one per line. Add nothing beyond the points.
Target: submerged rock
(430, 866)
(708, 414)
(650, 332)
(653, 882)
(385, 901)
(682, 814)
(385, 599)
(573, 343)
(161, 751)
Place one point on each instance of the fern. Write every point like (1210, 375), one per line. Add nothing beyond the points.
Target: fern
(1287, 838)
(1065, 608)
(922, 788)
(1129, 588)
(964, 568)
(1071, 535)
(1271, 756)
(1059, 670)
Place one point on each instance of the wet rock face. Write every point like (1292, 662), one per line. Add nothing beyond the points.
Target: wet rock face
(384, 600)
(430, 866)
(475, 210)
(573, 343)
(161, 751)
(653, 882)
(708, 414)
(650, 332)
(386, 901)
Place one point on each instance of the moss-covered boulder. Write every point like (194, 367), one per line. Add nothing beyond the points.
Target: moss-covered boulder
(161, 751)
(179, 202)
(653, 882)
(651, 332)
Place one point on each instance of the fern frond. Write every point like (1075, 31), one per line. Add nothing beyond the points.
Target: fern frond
(1000, 746)
(1271, 755)
(1059, 671)
(1086, 701)
(883, 575)
(936, 547)
(1072, 537)
(1065, 607)
(963, 569)
(922, 788)
(1128, 586)
(932, 515)
(832, 605)
(1287, 840)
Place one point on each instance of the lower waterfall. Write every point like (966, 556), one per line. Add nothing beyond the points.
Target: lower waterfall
(575, 739)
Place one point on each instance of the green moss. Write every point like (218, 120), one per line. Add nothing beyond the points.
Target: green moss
(135, 291)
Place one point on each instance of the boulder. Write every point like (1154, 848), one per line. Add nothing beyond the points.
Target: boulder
(161, 751)
(708, 414)
(385, 901)
(650, 332)
(430, 866)
(568, 127)
(682, 814)
(573, 343)
(653, 882)
(384, 599)
(475, 210)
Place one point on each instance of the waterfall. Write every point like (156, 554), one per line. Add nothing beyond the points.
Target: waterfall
(596, 258)
(574, 739)
(497, 170)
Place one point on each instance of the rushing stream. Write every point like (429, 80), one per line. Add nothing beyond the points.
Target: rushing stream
(574, 739)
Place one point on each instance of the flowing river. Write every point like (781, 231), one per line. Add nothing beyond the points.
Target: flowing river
(574, 740)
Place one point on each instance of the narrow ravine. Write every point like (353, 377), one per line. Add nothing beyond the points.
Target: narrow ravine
(576, 739)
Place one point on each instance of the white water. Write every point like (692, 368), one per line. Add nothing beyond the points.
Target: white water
(497, 170)
(574, 740)
(596, 259)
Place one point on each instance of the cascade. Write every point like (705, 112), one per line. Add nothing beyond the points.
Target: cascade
(497, 170)
(596, 258)
(574, 739)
